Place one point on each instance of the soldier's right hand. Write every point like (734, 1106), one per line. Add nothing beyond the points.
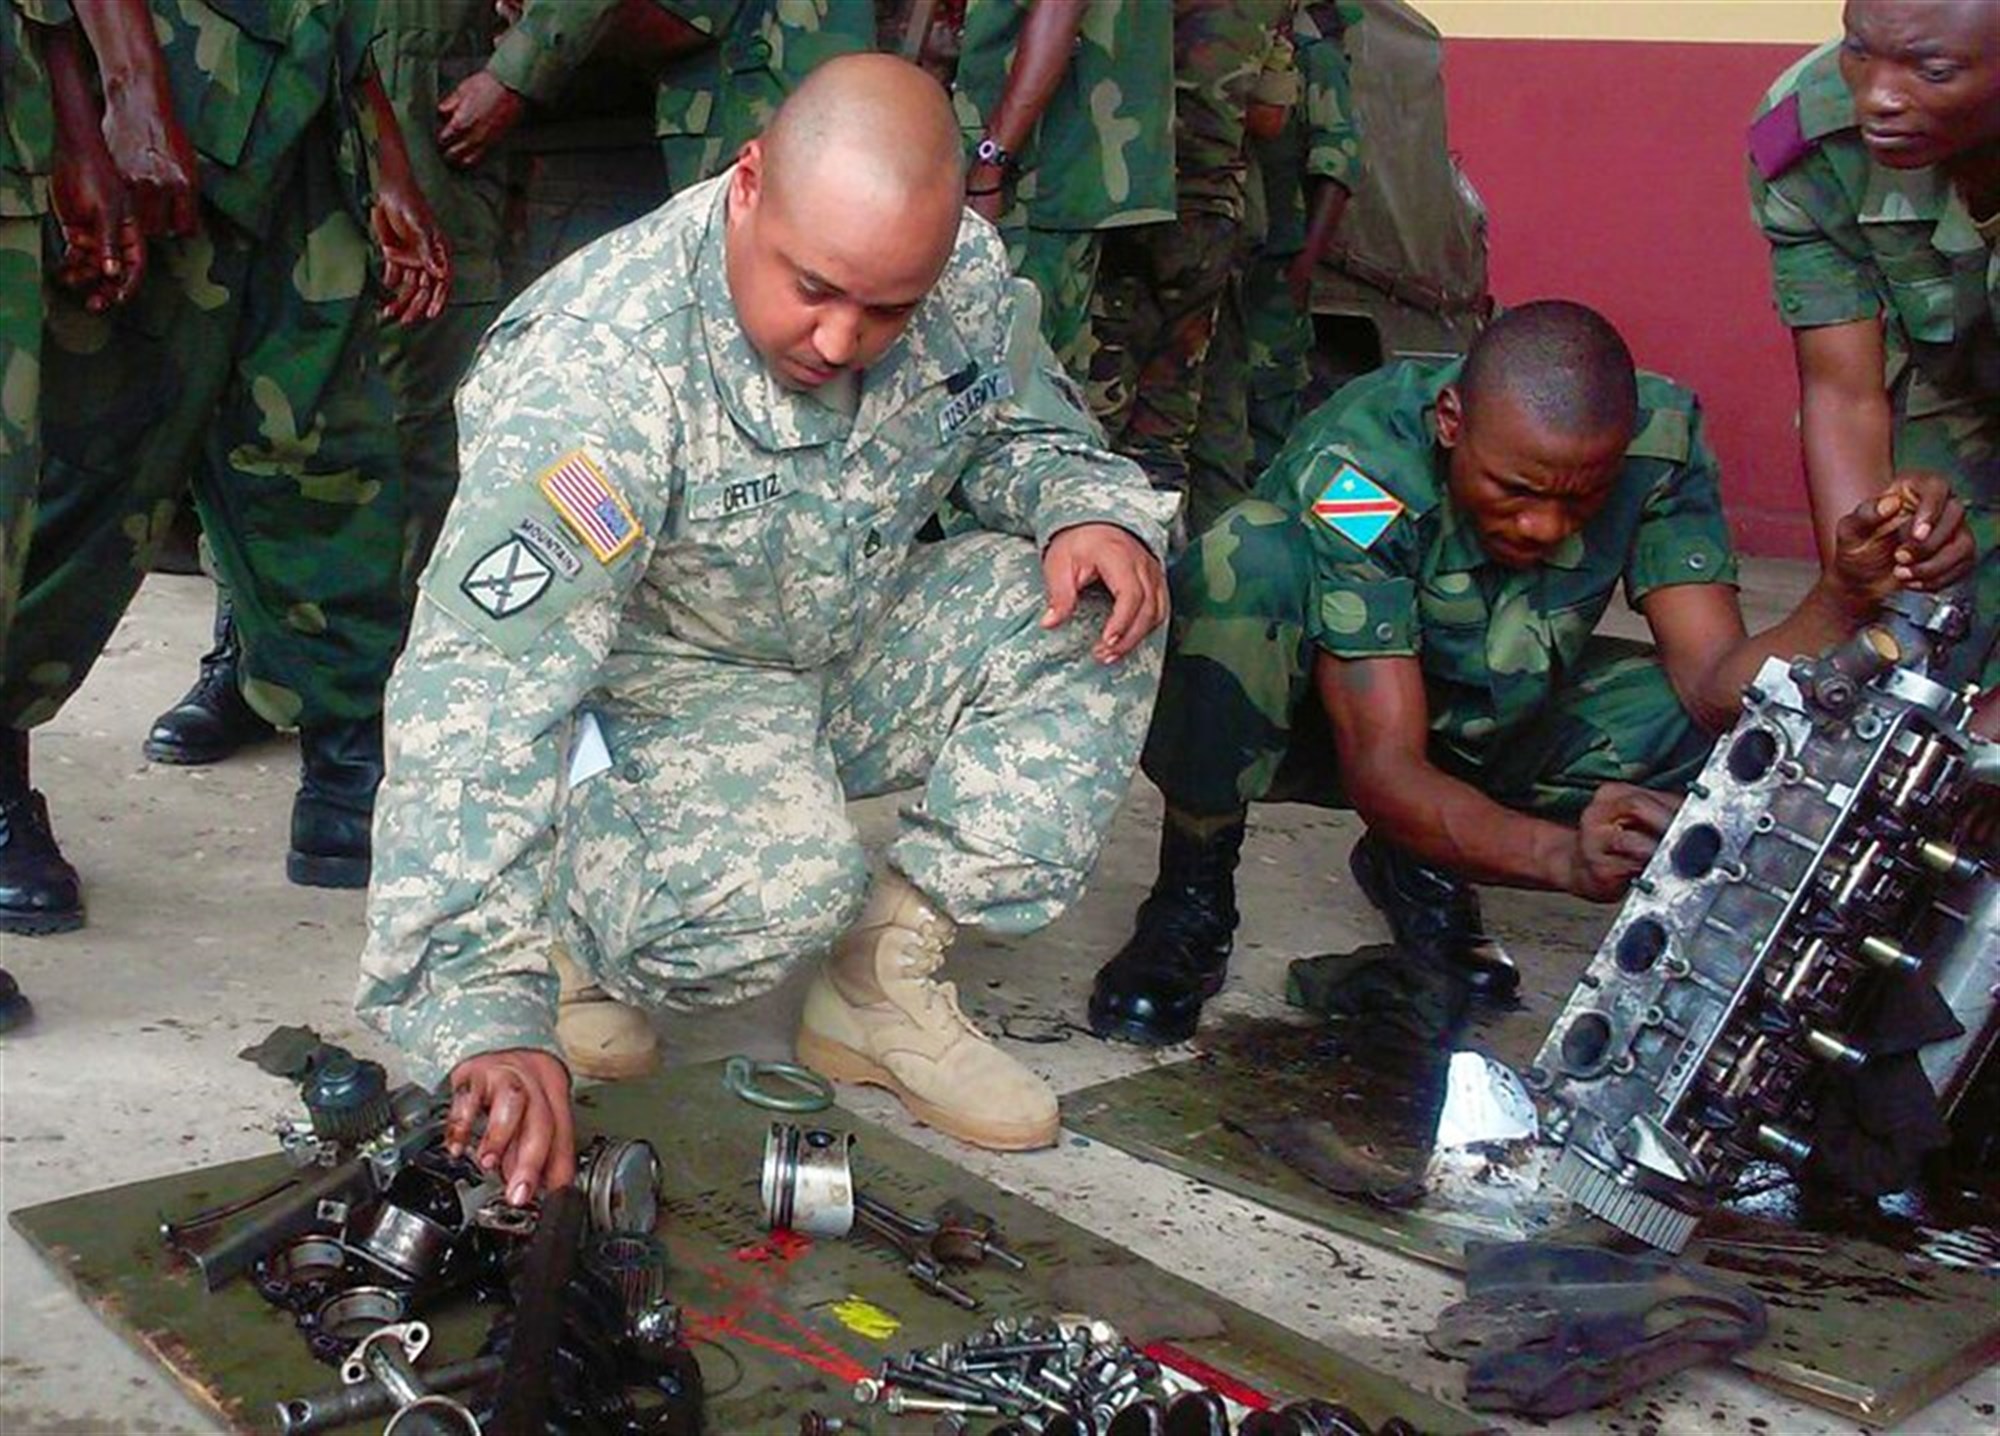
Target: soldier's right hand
(1615, 838)
(156, 160)
(527, 1137)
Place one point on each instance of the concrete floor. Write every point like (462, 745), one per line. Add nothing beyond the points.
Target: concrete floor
(197, 947)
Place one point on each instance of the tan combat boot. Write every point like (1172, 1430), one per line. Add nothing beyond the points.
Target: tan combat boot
(873, 1015)
(600, 1037)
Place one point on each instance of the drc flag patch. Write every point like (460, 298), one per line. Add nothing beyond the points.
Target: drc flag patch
(1356, 507)
(589, 505)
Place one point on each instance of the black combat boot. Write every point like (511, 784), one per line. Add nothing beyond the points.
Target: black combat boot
(39, 891)
(211, 721)
(340, 767)
(1435, 914)
(15, 1009)
(1151, 993)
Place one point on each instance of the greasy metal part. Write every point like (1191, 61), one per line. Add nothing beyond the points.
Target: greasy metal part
(348, 1316)
(521, 1405)
(389, 1355)
(1812, 859)
(620, 1178)
(408, 1244)
(307, 1415)
(634, 1266)
(347, 1100)
(1964, 967)
(432, 1415)
(808, 1181)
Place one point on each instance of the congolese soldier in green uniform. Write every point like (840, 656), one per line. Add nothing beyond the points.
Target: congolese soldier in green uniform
(1875, 174)
(1421, 574)
(1299, 181)
(1159, 285)
(246, 360)
(116, 170)
(106, 154)
(1068, 111)
(457, 95)
(678, 615)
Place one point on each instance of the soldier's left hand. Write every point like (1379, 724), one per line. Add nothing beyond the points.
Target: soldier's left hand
(104, 251)
(1104, 553)
(478, 114)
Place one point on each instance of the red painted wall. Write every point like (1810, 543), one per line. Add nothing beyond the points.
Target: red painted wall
(1614, 173)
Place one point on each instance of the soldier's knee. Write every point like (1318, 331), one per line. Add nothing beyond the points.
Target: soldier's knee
(1255, 560)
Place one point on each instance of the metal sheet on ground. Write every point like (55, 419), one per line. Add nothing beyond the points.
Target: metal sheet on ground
(772, 1343)
(1856, 1327)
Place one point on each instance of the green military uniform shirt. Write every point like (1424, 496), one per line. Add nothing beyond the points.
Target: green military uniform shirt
(1400, 573)
(27, 115)
(1102, 154)
(1321, 138)
(1852, 239)
(248, 78)
(536, 55)
(715, 101)
(1228, 54)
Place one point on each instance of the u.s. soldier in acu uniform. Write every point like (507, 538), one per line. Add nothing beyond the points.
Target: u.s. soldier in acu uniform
(1875, 174)
(678, 615)
(1421, 574)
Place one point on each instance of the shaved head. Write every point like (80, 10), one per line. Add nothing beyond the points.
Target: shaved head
(878, 127)
(843, 215)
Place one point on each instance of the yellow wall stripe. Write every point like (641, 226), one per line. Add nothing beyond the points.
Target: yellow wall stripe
(1802, 22)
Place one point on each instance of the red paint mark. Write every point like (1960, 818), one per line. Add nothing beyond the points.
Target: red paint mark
(751, 1302)
(783, 1248)
(1216, 1380)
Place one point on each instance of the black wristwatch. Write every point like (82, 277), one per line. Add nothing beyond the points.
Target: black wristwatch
(992, 152)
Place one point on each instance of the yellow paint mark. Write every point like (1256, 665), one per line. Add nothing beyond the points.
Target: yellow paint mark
(864, 1318)
(1802, 22)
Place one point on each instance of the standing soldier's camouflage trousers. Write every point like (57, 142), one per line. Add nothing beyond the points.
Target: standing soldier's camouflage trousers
(1238, 721)
(1964, 446)
(20, 401)
(1158, 287)
(1062, 265)
(246, 363)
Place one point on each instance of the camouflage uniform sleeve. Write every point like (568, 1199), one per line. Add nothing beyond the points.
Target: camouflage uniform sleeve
(46, 12)
(1278, 82)
(1041, 464)
(1821, 272)
(1333, 130)
(518, 609)
(541, 50)
(1364, 602)
(1683, 536)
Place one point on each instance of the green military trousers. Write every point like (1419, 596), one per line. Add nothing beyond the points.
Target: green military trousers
(1153, 317)
(246, 365)
(716, 849)
(1062, 265)
(20, 401)
(1963, 444)
(1238, 719)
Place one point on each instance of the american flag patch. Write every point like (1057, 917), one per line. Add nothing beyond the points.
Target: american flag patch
(589, 505)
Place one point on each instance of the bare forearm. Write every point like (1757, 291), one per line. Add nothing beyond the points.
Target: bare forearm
(70, 89)
(1823, 618)
(1450, 823)
(1041, 58)
(390, 154)
(1329, 205)
(128, 51)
